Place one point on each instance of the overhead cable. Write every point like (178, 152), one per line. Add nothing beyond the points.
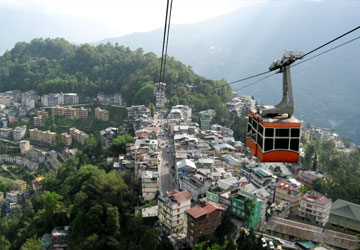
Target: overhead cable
(333, 40)
(167, 41)
(163, 43)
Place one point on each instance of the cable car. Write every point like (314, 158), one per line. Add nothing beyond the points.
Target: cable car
(273, 133)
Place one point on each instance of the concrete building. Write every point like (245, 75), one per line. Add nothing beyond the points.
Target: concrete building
(71, 98)
(66, 139)
(205, 118)
(5, 132)
(69, 112)
(19, 133)
(202, 219)
(24, 146)
(78, 135)
(286, 192)
(102, 114)
(196, 184)
(307, 177)
(39, 121)
(45, 136)
(172, 207)
(239, 200)
(149, 184)
(315, 207)
(159, 93)
(52, 100)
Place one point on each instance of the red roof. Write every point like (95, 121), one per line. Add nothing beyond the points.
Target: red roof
(151, 128)
(199, 211)
(180, 196)
(284, 185)
(142, 135)
(313, 197)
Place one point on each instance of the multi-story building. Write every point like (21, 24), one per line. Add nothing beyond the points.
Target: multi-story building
(78, 135)
(71, 98)
(19, 133)
(286, 192)
(307, 177)
(5, 132)
(24, 146)
(18, 185)
(45, 136)
(171, 210)
(102, 114)
(205, 118)
(159, 93)
(66, 139)
(83, 113)
(196, 185)
(315, 207)
(51, 100)
(181, 112)
(235, 105)
(69, 112)
(202, 219)
(39, 121)
(149, 184)
(28, 99)
(6, 100)
(136, 116)
(242, 201)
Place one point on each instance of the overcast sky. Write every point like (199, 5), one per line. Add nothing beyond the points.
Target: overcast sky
(121, 17)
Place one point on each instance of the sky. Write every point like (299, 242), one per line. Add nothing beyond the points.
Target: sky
(120, 17)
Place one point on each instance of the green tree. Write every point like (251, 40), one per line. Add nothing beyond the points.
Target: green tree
(4, 243)
(152, 108)
(31, 244)
(4, 187)
(118, 145)
(227, 229)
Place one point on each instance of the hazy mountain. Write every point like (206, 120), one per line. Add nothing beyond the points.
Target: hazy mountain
(246, 41)
(21, 25)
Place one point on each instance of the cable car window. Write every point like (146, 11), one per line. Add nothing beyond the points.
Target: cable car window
(249, 128)
(253, 135)
(250, 120)
(260, 129)
(254, 124)
(294, 144)
(269, 144)
(282, 143)
(259, 141)
(269, 132)
(282, 132)
(295, 132)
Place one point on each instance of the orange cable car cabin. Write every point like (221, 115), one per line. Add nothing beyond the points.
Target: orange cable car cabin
(273, 139)
(273, 133)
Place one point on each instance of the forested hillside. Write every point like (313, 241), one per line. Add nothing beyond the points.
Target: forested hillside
(54, 65)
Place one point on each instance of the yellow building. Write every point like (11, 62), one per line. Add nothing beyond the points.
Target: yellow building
(24, 146)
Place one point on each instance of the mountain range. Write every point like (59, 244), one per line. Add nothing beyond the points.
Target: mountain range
(246, 41)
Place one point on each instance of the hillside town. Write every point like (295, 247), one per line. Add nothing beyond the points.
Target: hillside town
(188, 173)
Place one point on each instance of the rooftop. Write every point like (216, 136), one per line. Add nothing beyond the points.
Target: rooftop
(346, 209)
(199, 210)
(180, 196)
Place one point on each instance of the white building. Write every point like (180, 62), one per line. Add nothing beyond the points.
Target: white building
(149, 184)
(315, 207)
(19, 133)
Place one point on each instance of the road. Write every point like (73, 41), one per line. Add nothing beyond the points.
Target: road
(167, 181)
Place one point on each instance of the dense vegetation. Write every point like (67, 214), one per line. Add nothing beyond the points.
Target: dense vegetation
(342, 178)
(54, 65)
